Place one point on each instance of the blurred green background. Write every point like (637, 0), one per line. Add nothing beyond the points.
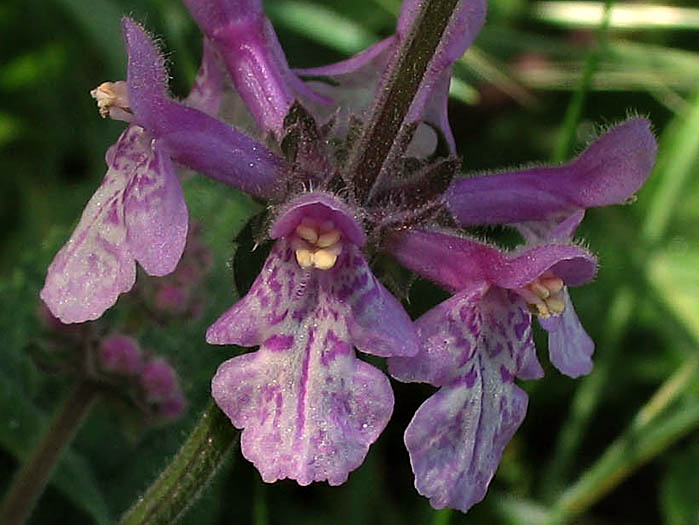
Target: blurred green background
(619, 446)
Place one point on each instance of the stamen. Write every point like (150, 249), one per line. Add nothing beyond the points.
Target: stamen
(554, 284)
(328, 239)
(544, 295)
(113, 100)
(324, 260)
(317, 245)
(304, 258)
(540, 290)
(307, 233)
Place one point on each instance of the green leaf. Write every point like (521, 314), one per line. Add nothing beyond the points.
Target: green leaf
(679, 150)
(321, 24)
(73, 477)
(673, 273)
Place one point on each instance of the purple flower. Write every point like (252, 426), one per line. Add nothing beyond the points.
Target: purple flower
(547, 204)
(309, 408)
(260, 73)
(473, 346)
(608, 172)
(139, 213)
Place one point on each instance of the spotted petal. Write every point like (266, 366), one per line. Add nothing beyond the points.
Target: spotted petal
(96, 265)
(309, 408)
(570, 348)
(448, 334)
(457, 436)
(154, 210)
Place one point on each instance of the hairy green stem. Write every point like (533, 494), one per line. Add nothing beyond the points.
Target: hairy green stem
(407, 70)
(190, 471)
(31, 479)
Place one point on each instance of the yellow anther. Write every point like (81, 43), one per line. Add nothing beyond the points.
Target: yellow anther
(554, 284)
(112, 99)
(324, 259)
(304, 258)
(541, 310)
(539, 289)
(307, 233)
(556, 305)
(545, 296)
(316, 244)
(328, 239)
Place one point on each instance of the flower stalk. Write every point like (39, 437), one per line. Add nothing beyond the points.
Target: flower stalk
(190, 471)
(408, 69)
(31, 480)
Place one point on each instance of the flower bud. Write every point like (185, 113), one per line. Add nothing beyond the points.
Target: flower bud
(121, 355)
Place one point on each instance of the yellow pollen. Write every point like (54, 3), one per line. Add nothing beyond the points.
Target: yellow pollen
(545, 296)
(328, 239)
(540, 290)
(554, 284)
(307, 233)
(304, 258)
(112, 99)
(316, 245)
(324, 259)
